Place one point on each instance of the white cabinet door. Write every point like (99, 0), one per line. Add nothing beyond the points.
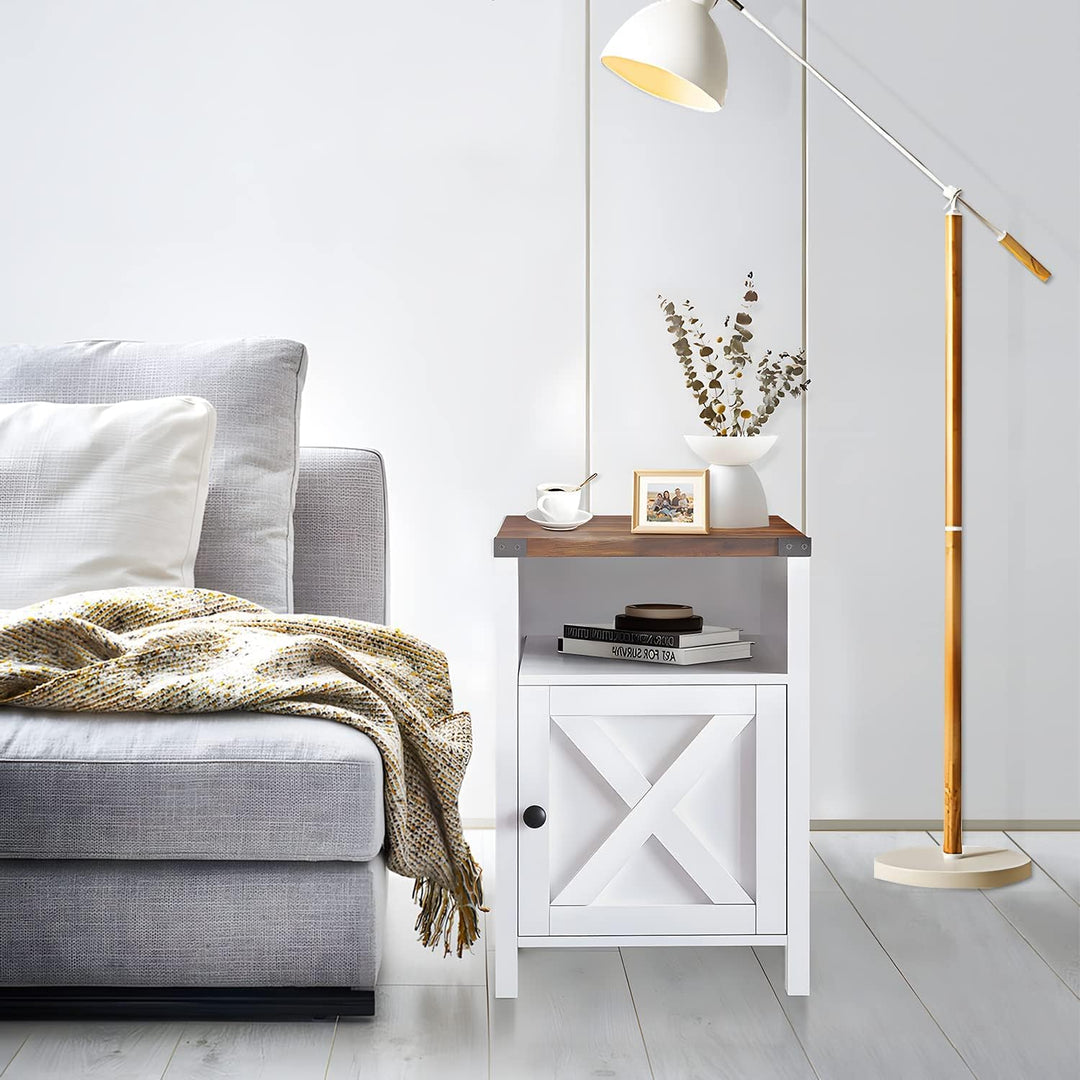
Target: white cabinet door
(656, 810)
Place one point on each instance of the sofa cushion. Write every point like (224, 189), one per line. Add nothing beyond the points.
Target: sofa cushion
(101, 496)
(229, 785)
(254, 384)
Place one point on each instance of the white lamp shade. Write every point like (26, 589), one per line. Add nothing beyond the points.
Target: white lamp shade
(672, 50)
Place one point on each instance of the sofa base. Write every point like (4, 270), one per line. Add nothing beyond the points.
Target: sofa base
(184, 1002)
(166, 923)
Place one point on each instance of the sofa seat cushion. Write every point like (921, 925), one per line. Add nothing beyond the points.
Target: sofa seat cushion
(230, 785)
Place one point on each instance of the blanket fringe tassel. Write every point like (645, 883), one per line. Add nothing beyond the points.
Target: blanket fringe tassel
(440, 908)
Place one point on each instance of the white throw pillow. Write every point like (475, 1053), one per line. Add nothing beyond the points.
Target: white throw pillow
(101, 496)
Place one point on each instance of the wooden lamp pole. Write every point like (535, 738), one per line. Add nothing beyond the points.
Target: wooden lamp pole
(673, 50)
(954, 526)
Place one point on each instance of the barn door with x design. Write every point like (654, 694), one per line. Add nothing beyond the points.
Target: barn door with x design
(664, 810)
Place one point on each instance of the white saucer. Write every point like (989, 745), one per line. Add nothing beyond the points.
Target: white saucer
(580, 518)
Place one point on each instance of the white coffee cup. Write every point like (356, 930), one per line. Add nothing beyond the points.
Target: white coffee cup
(557, 502)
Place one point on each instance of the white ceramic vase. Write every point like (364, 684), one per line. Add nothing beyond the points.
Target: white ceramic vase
(736, 497)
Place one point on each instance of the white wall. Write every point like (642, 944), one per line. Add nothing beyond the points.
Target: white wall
(403, 187)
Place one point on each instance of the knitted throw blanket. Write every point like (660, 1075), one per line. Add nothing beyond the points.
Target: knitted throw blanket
(171, 650)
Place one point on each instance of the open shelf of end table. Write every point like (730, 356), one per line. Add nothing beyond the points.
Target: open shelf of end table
(675, 800)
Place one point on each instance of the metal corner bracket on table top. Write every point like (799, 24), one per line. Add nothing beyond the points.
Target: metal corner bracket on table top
(798, 548)
(511, 549)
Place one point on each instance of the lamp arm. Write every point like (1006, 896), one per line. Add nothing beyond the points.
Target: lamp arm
(1007, 241)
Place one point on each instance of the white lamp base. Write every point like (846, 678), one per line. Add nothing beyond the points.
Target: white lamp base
(931, 868)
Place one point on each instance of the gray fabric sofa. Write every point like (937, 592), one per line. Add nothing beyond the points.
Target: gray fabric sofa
(234, 850)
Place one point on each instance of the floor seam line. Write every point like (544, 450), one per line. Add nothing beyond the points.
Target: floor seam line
(780, 1004)
(1041, 867)
(26, 1039)
(1020, 933)
(637, 1015)
(1024, 939)
(176, 1046)
(330, 1052)
(892, 961)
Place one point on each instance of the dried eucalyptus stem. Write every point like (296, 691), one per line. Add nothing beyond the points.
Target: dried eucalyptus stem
(719, 392)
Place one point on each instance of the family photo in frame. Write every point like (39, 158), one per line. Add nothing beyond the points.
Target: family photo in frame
(671, 501)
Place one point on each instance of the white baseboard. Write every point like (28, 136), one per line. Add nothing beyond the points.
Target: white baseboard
(934, 824)
(895, 824)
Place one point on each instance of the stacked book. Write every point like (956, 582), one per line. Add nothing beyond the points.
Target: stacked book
(705, 645)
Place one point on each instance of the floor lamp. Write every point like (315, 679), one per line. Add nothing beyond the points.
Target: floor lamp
(673, 50)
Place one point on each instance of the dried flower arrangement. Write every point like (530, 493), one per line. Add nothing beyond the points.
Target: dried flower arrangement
(719, 393)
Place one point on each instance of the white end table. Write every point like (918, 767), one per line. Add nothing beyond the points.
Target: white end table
(646, 804)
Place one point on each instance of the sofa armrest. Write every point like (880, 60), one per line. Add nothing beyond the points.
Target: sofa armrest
(339, 555)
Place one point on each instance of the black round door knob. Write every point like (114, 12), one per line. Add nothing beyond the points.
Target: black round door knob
(534, 816)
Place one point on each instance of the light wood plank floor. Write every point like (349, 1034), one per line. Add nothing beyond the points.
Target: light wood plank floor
(906, 983)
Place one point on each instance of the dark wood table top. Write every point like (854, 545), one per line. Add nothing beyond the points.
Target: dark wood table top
(609, 535)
